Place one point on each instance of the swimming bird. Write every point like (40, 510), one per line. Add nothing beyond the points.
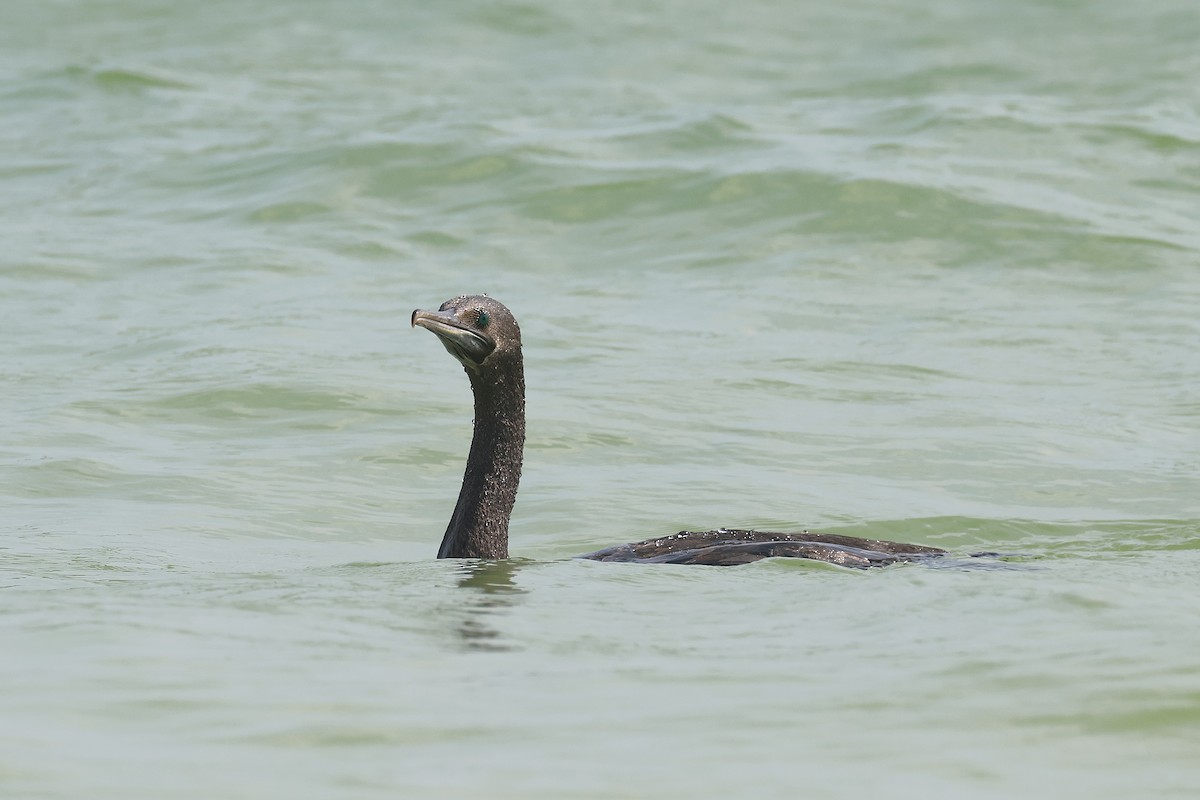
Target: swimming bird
(484, 336)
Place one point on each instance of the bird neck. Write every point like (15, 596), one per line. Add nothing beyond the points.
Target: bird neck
(479, 526)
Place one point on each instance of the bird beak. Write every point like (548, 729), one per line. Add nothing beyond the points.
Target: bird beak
(467, 345)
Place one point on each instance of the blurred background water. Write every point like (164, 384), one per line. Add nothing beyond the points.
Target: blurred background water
(913, 271)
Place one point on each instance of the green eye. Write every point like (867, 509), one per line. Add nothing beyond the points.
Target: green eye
(482, 319)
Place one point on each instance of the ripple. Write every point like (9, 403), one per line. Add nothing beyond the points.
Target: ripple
(256, 400)
(128, 80)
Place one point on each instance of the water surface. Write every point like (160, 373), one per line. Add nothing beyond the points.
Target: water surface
(923, 273)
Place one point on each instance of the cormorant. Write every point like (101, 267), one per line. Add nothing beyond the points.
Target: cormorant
(483, 335)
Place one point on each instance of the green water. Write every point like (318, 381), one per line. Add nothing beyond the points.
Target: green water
(922, 271)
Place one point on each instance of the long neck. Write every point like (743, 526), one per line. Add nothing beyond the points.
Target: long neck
(479, 526)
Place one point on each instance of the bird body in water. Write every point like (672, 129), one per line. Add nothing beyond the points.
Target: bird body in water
(484, 336)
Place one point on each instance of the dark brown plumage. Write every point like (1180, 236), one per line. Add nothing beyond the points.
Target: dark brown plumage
(484, 336)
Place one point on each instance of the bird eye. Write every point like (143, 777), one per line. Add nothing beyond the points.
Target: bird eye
(481, 318)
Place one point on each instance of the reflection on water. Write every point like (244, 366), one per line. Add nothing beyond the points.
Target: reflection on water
(493, 590)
